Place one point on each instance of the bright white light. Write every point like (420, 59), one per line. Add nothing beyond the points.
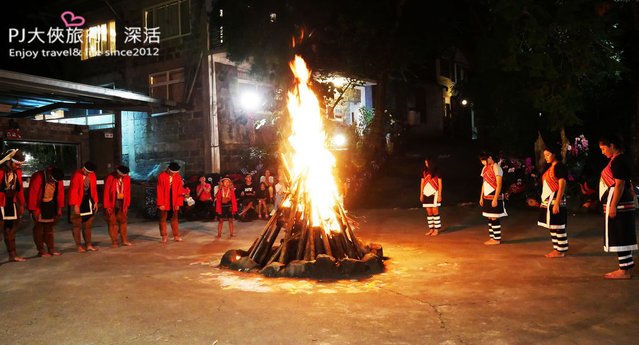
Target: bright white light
(464, 102)
(27, 157)
(339, 140)
(338, 81)
(250, 100)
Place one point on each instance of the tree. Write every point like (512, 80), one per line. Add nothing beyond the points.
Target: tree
(535, 62)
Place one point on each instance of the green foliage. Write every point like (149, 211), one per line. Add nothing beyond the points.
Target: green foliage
(367, 115)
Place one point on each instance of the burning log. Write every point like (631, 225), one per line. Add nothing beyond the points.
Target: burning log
(310, 223)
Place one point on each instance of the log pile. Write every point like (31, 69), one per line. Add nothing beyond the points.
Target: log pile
(306, 249)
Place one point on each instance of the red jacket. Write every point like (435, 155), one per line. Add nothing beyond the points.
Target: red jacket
(76, 188)
(163, 196)
(218, 201)
(19, 194)
(36, 191)
(111, 190)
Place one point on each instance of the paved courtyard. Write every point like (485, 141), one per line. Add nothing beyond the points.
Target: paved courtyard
(449, 289)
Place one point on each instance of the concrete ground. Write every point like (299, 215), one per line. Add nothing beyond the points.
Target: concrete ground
(449, 289)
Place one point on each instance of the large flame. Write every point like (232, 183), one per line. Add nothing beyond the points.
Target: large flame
(310, 161)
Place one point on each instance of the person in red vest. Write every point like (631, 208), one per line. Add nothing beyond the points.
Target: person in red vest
(169, 199)
(11, 199)
(83, 201)
(225, 205)
(116, 201)
(46, 200)
(204, 200)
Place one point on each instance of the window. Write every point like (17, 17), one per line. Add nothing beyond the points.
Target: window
(40, 155)
(167, 85)
(101, 121)
(98, 39)
(216, 30)
(173, 18)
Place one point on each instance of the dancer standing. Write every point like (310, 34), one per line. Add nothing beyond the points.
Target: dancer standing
(615, 192)
(430, 195)
(491, 198)
(170, 197)
(11, 199)
(117, 198)
(46, 200)
(83, 199)
(552, 212)
(225, 205)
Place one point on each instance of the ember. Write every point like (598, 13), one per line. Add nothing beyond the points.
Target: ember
(317, 238)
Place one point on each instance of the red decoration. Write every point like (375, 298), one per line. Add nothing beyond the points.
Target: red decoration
(13, 134)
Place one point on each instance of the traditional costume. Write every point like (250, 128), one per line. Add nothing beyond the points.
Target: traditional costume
(11, 195)
(116, 201)
(170, 195)
(225, 203)
(619, 236)
(489, 174)
(83, 192)
(556, 223)
(430, 196)
(46, 200)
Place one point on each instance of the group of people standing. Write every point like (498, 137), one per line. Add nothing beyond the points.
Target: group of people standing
(46, 199)
(248, 201)
(616, 193)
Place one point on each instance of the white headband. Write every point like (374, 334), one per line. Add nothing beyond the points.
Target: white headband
(9, 156)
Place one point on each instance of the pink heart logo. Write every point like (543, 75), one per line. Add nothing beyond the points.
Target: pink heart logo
(71, 20)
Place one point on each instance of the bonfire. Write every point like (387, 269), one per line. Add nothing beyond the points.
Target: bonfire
(316, 237)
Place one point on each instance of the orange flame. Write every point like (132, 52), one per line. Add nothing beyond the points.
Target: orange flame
(310, 160)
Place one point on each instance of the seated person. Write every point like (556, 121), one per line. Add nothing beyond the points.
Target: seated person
(268, 179)
(262, 197)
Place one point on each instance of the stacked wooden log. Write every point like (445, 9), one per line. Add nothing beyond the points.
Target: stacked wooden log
(302, 242)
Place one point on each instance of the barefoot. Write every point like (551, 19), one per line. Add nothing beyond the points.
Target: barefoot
(81, 249)
(91, 248)
(259, 216)
(492, 242)
(429, 232)
(55, 253)
(17, 259)
(114, 245)
(435, 232)
(44, 255)
(232, 235)
(164, 239)
(127, 243)
(178, 239)
(555, 254)
(618, 274)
